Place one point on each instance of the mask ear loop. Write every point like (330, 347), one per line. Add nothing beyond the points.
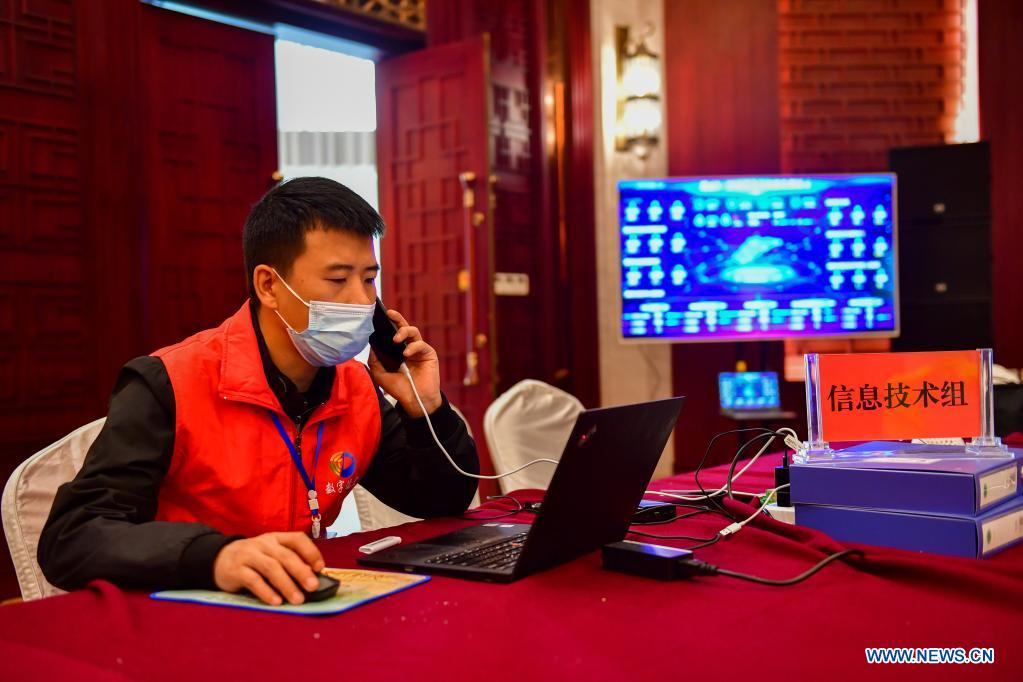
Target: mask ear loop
(304, 302)
(288, 286)
(290, 328)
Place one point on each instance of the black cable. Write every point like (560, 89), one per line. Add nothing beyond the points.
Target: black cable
(709, 541)
(497, 513)
(502, 513)
(693, 548)
(703, 461)
(738, 456)
(709, 569)
(701, 545)
(698, 512)
(663, 505)
(662, 522)
(676, 505)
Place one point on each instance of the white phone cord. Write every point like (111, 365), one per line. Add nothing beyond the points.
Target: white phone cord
(429, 423)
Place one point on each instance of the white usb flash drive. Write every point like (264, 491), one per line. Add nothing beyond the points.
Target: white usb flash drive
(382, 543)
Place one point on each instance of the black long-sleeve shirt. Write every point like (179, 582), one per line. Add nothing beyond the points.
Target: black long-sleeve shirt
(101, 523)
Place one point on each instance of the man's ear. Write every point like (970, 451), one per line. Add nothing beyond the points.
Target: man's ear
(263, 282)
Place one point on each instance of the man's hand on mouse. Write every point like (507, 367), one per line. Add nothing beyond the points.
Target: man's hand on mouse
(268, 566)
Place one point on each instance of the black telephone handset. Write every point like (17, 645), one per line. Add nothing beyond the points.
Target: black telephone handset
(389, 353)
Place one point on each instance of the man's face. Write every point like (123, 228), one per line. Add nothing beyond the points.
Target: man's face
(336, 266)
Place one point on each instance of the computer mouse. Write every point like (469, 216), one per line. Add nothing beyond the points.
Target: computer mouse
(325, 590)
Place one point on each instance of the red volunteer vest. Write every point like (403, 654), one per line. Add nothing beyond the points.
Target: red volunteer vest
(230, 468)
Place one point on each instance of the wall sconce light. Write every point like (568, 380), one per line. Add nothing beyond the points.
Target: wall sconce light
(639, 122)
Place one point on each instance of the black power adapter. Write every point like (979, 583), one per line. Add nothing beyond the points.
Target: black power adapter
(645, 559)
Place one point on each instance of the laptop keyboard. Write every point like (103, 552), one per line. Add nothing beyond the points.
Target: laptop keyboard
(494, 555)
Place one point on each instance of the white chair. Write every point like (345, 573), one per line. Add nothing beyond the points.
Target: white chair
(373, 513)
(28, 497)
(531, 420)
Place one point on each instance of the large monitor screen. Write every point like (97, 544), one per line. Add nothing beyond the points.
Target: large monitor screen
(750, 258)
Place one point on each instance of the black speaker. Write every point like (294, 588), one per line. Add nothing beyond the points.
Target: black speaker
(944, 264)
(943, 185)
(944, 205)
(1008, 409)
(944, 325)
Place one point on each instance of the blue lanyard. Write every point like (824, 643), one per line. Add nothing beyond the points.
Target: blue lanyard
(296, 457)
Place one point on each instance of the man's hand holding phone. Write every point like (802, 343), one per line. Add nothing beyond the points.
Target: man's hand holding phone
(421, 360)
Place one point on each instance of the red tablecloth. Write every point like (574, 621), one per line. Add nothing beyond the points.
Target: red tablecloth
(572, 622)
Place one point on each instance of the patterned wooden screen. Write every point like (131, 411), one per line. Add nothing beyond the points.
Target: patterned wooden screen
(432, 126)
(48, 372)
(210, 146)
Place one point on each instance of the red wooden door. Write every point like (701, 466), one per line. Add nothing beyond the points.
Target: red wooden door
(437, 254)
(210, 148)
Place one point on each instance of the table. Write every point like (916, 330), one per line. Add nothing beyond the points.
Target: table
(575, 621)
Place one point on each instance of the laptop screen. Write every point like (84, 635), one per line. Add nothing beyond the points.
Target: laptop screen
(749, 390)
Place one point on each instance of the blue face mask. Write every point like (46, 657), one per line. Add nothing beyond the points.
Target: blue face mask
(337, 332)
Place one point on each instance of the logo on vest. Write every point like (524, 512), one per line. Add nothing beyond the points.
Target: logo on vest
(342, 464)
(342, 488)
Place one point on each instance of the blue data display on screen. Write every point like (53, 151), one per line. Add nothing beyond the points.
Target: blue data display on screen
(733, 258)
(748, 390)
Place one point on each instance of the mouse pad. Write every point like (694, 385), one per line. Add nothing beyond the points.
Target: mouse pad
(358, 587)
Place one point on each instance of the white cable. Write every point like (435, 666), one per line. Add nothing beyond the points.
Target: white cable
(701, 497)
(791, 440)
(690, 495)
(739, 525)
(733, 528)
(436, 440)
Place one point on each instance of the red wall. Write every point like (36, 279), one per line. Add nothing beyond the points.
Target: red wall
(92, 274)
(860, 78)
(1001, 111)
(721, 62)
(759, 86)
(722, 108)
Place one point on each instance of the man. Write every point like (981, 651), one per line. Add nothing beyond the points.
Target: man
(222, 454)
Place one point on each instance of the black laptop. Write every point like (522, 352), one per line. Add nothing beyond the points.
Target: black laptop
(597, 485)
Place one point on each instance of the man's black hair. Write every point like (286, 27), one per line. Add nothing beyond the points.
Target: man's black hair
(275, 230)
